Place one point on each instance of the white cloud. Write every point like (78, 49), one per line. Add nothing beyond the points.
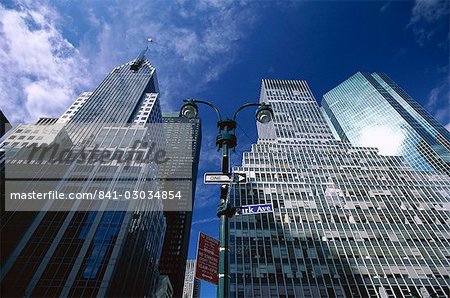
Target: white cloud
(434, 95)
(205, 195)
(385, 6)
(205, 220)
(50, 51)
(443, 115)
(429, 10)
(185, 42)
(211, 157)
(438, 103)
(424, 15)
(44, 71)
(448, 126)
(195, 41)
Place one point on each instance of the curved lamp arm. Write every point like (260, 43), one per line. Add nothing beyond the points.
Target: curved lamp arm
(244, 106)
(206, 103)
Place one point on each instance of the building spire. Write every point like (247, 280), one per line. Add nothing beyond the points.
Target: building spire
(140, 58)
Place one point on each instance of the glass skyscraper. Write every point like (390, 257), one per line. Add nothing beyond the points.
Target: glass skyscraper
(347, 221)
(89, 252)
(372, 110)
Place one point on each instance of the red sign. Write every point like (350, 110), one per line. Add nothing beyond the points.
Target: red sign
(207, 267)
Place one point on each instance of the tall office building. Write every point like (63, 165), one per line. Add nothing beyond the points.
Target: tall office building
(192, 284)
(81, 250)
(180, 133)
(370, 110)
(347, 221)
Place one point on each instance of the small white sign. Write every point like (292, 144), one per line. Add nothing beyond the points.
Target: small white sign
(220, 178)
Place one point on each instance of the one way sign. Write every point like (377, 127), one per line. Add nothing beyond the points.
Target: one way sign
(220, 178)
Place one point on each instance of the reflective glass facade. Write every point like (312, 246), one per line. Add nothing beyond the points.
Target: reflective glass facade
(371, 110)
(90, 253)
(347, 221)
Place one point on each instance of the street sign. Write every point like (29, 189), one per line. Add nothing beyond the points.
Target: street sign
(255, 209)
(220, 178)
(207, 265)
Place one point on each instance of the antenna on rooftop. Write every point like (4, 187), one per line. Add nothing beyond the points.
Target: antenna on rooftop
(140, 58)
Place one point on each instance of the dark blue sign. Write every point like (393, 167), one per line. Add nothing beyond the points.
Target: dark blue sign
(255, 209)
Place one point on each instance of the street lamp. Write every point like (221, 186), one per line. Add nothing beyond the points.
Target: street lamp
(189, 110)
(225, 140)
(264, 114)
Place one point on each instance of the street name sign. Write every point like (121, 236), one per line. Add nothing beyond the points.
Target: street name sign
(255, 209)
(220, 178)
(207, 265)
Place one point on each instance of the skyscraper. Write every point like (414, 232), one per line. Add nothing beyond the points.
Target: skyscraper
(347, 221)
(192, 284)
(82, 250)
(176, 241)
(372, 110)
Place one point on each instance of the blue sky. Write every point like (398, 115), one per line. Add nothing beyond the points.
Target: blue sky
(218, 50)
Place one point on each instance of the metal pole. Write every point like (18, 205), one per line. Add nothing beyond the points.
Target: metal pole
(223, 291)
(226, 141)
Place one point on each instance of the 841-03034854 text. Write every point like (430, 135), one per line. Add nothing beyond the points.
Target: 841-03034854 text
(141, 195)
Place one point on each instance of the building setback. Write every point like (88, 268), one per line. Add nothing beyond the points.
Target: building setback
(90, 253)
(372, 110)
(347, 221)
